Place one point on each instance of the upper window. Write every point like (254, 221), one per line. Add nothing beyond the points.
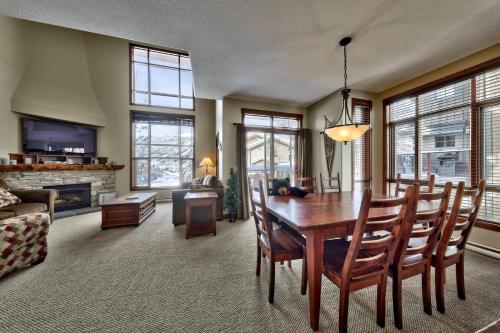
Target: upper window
(161, 78)
(256, 118)
(162, 149)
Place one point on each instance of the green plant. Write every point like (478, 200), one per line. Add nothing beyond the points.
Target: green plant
(232, 197)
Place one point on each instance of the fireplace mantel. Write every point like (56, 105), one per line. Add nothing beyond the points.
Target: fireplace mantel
(58, 167)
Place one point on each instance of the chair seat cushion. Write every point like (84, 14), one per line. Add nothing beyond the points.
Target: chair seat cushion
(334, 255)
(25, 208)
(286, 242)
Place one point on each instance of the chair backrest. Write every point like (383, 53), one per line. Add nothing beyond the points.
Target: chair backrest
(461, 219)
(426, 224)
(429, 184)
(260, 214)
(307, 184)
(268, 183)
(381, 250)
(329, 183)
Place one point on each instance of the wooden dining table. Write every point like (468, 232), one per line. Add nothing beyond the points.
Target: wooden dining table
(322, 216)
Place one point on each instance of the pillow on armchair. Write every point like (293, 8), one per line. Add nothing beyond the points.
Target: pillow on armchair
(8, 199)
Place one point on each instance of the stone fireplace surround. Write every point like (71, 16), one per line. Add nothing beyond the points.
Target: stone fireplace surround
(101, 181)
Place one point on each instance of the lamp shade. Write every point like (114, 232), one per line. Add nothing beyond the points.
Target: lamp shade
(347, 133)
(206, 162)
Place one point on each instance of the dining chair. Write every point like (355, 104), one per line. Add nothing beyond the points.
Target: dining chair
(429, 184)
(329, 184)
(268, 183)
(307, 184)
(364, 262)
(455, 232)
(278, 244)
(415, 260)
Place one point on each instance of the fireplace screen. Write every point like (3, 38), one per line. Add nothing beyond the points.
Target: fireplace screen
(73, 196)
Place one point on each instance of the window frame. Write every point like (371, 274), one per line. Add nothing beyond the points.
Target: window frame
(132, 158)
(131, 74)
(475, 127)
(367, 140)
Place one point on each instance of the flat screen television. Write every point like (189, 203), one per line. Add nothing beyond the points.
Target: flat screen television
(56, 137)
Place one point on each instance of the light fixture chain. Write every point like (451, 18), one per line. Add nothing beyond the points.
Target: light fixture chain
(345, 67)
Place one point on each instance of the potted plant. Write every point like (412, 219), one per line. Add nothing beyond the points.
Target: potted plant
(232, 197)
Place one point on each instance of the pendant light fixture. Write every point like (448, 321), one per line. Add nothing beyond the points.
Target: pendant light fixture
(346, 131)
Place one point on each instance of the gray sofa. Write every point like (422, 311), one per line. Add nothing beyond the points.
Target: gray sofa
(198, 214)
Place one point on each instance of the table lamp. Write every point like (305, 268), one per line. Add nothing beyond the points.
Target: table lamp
(206, 162)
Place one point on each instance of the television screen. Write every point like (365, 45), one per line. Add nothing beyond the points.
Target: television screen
(53, 137)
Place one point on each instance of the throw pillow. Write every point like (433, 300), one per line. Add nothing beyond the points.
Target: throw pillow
(206, 180)
(8, 199)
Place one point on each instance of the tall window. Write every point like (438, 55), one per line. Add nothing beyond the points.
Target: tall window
(160, 78)
(361, 147)
(162, 149)
(451, 131)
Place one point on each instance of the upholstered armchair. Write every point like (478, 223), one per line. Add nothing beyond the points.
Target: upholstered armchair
(40, 201)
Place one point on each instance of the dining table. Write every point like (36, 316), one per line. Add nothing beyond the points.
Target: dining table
(319, 217)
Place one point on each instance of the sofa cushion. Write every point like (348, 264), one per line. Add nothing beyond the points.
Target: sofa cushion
(7, 198)
(25, 208)
(3, 184)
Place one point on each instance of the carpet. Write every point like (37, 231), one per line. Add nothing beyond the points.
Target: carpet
(151, 279)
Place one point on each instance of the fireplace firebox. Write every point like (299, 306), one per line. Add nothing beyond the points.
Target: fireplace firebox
(71, 196)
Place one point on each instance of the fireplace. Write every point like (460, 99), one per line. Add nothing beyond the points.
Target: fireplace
(73, 196)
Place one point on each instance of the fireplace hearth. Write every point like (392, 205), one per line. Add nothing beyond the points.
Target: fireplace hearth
(71, 196)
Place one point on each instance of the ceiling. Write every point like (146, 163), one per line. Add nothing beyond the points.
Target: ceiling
(287, 50)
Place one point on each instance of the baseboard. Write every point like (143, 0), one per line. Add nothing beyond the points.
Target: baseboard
(483, 250)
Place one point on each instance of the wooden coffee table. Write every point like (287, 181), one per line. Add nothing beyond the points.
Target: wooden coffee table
(194, 199)
(126, 210)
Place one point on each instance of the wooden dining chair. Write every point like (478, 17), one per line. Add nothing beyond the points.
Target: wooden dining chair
(415, 260)
(278, 244)
(364, 262)
(329, 184)
(455, 232)
(307, 184)
(425, 185)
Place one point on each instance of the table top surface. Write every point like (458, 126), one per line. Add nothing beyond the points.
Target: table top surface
(319, 210)
(200, 195)
(135, 198)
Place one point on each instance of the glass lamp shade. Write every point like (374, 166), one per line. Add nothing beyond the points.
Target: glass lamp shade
(347, 133)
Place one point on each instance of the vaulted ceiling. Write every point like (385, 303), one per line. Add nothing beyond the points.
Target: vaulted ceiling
(287, 50)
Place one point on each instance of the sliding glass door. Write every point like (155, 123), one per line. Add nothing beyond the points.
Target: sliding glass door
(271, 154)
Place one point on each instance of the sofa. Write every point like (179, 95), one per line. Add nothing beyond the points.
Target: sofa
(23, 241)
(40, 201)
(198, 214)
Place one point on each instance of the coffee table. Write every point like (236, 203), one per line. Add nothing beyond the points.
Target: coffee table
(130, 209)
(194, 199)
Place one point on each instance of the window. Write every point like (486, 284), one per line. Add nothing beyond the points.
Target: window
(162, 149)
(271, 143)
(160, 78)
(361, 148)
(452, 131)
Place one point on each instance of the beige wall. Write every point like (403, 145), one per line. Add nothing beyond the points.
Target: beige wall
(104, 64)
(231, 113)
(480, 236)
(12, 67)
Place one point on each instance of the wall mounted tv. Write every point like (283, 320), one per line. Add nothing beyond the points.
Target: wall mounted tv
(56, 137)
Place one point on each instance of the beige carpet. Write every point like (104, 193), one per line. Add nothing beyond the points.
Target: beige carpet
(150, 279)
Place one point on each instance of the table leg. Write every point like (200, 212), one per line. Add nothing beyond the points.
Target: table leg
(214, 216)
(188, 219)
(314, 249)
